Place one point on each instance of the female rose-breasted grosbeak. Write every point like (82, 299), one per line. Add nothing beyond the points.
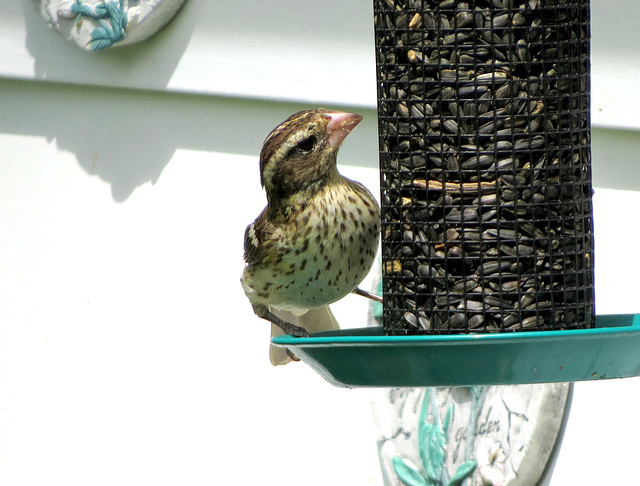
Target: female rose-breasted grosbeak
(317, 238)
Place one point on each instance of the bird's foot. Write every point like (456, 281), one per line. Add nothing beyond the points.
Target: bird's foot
(288, 328)
(291, 329)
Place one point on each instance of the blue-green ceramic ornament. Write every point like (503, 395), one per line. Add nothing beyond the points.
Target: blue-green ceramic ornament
(95, 25)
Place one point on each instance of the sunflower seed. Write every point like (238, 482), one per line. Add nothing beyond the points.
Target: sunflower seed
(486, 192)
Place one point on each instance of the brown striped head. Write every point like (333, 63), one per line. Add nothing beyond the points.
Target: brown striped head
(302, 150)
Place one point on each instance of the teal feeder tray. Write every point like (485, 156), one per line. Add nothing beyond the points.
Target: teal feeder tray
(365, 357)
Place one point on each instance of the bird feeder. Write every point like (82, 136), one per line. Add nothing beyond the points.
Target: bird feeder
(487, 231)
(486, 165)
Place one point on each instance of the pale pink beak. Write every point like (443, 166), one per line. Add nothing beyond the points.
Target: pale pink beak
(339, 126)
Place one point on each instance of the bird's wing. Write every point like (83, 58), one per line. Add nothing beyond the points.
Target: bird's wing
(256, 236)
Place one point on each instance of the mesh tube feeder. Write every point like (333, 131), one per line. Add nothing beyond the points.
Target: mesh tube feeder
(485, 165)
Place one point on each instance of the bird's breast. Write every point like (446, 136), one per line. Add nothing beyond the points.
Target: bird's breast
(336, 238)
(323, 251)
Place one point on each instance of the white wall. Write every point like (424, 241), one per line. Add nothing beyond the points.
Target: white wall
(128, 353)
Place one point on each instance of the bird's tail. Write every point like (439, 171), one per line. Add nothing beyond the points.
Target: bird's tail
(314, 320)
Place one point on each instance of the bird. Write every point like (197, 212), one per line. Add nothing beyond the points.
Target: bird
(317, 238)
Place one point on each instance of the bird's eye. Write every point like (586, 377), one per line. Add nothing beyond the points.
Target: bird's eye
(306, 144)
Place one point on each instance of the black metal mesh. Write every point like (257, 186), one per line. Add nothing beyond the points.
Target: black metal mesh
(485, 165)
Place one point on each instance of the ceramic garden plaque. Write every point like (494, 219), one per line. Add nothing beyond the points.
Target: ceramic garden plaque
(468, 436)
(96, 25)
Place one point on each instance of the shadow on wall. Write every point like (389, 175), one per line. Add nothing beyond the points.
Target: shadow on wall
(119, 141)
(149, 64)
(127, 137)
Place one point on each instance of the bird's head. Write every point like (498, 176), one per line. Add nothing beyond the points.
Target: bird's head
(301, 152)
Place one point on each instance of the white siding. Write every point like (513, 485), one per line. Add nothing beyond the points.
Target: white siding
(128, 353)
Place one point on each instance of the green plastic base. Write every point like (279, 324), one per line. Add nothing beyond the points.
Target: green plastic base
(367, 358)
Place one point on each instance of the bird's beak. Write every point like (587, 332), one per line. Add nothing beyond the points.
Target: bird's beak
(339, 126)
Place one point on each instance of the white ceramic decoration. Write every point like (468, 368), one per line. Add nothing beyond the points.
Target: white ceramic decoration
(98, 24)
(477, 436)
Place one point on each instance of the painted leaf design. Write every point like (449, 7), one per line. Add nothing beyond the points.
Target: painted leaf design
(108, 34)
(448, 418)
(100, 44)
(424, 444)
(112, 8)
(96, 12)
(432, 450)
(118, 20)
(100, 38)
(407, 473)
(424, 413)
(464, 471)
